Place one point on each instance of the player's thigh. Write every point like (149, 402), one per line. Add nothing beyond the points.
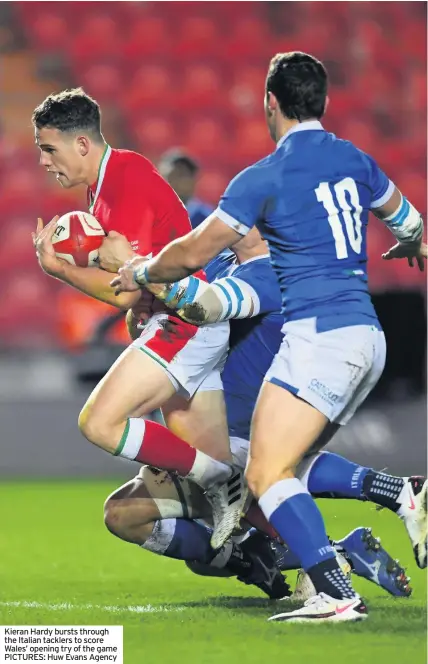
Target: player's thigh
(156, 494)
(135, 383)
(201, 421)
(188, 353)
(328, 368)
(284, 428)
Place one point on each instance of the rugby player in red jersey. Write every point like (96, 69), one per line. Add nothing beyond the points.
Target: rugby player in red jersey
(127, 195)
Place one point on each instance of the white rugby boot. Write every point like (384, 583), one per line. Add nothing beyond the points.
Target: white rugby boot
(413, 513)
(323, 608)
(305, 588)
(227, 501)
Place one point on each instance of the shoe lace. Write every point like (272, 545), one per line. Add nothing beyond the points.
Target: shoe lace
(318, 600)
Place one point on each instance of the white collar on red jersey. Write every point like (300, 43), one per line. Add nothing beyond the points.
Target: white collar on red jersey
(101, 174)
(310, 125)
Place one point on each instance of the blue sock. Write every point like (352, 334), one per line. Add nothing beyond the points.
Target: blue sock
(297, 519)
(181, 539)
(333, 474)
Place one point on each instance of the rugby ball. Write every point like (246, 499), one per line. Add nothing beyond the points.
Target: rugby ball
(77, 238)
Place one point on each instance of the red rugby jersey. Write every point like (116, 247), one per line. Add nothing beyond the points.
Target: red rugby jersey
(132, 198)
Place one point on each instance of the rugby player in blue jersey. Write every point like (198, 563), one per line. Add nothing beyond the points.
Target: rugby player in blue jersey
(310, 200)
(158, 510)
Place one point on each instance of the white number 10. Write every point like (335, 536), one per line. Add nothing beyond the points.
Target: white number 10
(351, 214)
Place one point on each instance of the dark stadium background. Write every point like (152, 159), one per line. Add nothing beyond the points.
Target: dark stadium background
(190, 75)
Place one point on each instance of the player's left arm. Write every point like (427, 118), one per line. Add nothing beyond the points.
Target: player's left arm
(188, 254)
(399, 215)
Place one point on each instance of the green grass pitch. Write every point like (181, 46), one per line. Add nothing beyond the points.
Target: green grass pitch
(55, 550)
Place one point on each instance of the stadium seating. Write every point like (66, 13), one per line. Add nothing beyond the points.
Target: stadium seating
(192, 74)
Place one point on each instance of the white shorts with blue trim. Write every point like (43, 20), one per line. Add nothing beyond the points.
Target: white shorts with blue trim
(334, 371)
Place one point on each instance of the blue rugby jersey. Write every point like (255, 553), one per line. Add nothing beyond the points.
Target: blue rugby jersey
(310, 199)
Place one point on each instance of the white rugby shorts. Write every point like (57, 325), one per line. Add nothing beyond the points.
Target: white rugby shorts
(190, 355)
(334, 371)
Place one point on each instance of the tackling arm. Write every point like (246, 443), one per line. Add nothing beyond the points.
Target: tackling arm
(200, 303)
(189, 253)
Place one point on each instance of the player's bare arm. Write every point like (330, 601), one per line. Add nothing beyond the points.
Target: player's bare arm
(91, 281)
(406, 224)
(184, 256)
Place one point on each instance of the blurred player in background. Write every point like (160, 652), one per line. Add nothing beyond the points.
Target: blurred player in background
(165, 366)
(181, 172)
(310, 200)
(154, 509)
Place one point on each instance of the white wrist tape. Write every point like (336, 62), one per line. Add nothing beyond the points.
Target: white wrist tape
(405, 223)
(140, 274)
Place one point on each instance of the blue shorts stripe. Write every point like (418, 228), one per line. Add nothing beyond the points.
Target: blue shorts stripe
(286, 386)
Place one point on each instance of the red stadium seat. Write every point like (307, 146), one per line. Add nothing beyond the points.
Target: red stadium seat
(154, 134)
(205, 137)
(246, 92)
(201, 87)
(102, 81)
(150, 86)
(28, 315)
(252, 141)
(99, 39)
(16, 245)
(148, 37)
(197, 36)
(250, 38)
(50, 32)
(211, 185)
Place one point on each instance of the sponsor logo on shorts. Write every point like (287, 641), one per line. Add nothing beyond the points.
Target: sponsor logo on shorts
(323, 391)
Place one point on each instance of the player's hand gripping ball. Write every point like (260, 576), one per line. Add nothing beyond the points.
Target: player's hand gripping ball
(115, 251)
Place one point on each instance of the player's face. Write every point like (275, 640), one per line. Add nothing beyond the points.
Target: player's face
(270, 115)
(60, 154)
(181, 180)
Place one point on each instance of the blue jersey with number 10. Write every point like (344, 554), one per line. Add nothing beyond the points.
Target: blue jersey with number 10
(310, 199)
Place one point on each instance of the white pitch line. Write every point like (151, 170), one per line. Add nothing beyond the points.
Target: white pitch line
(67, 606)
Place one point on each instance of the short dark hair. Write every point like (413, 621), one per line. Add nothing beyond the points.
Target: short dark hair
(299, 82)
(176, 157)
(69, 111)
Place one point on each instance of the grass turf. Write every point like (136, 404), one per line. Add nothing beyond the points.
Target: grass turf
(55, 551)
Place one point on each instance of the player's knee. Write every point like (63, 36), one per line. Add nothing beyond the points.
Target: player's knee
(261, 476)
(113, 516)
(127, 523)
(95, 428)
